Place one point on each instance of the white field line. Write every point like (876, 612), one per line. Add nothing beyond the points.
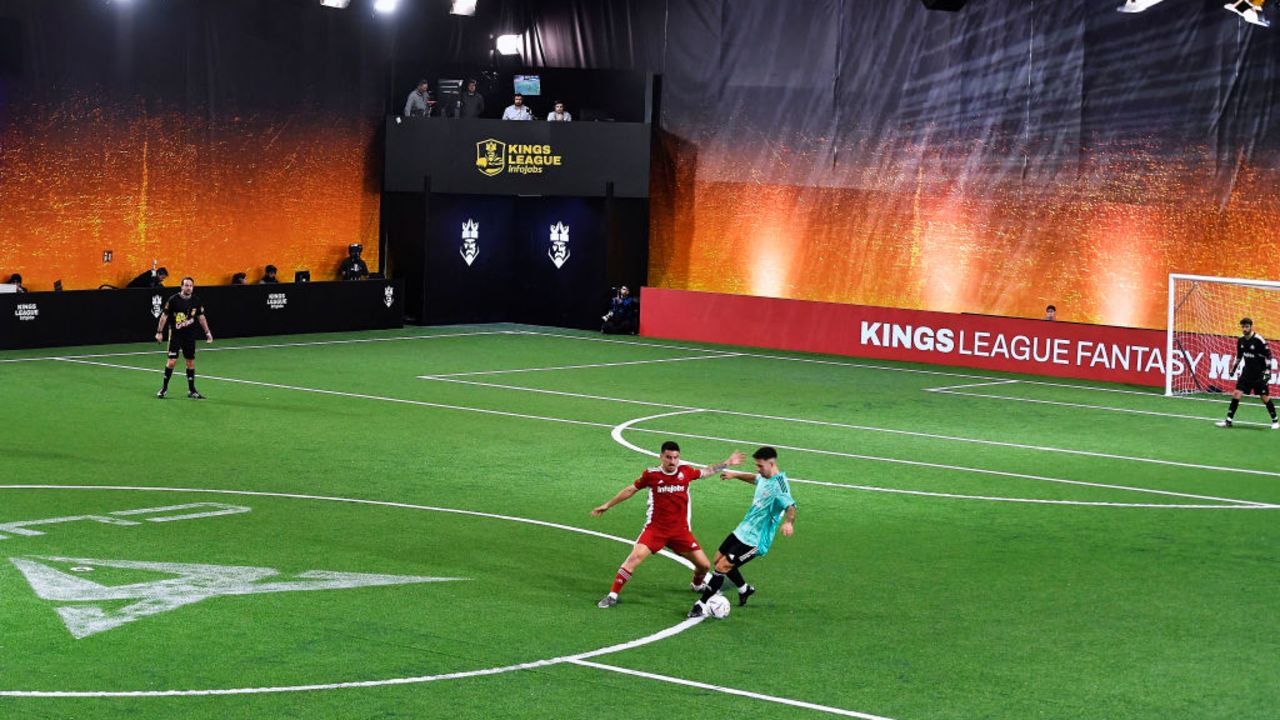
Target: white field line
(1107, 408)
(1119, 391)
(971, 385)
(617, 436)
(587, 423)
(338, 393)
(661, 635)
(717, 356)
(580, 659)
(729, 691)
(618, 430)
(203, 348)
(764, 356)
(867, 428)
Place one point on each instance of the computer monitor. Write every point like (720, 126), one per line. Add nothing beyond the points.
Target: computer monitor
(528, 85)
(8, 288)
(302, 276)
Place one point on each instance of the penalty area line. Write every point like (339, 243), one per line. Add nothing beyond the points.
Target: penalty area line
(1085, 406)
(617, 434)
(861, 428)
(443, 376)
(729, 690)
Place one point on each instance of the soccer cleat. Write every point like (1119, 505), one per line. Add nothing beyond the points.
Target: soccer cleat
(1224, 423)
(607, 601)
(1137, 6)
(195, 395)
(698, 610)
(1275, 424)
(745, 593)
(697, 588)
(163, 391)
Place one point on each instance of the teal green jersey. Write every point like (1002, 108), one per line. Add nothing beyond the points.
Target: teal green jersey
(773, 497)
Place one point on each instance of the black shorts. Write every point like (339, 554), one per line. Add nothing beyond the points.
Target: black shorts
(1252, 384)
(738, 552)
(184, 342)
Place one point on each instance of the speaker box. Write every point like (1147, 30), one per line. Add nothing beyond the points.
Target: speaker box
(948, 5)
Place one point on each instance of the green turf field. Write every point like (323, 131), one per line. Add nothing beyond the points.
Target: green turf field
(396, 525)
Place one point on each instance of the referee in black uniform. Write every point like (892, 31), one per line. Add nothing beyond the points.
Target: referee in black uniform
(182, 311)
(1252, 350)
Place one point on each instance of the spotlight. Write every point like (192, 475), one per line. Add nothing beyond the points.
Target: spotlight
(340, 4)
(509, 44)
(385, 6)
(463, 7)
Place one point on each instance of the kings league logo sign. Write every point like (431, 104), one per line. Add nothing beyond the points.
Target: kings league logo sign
(491, 156)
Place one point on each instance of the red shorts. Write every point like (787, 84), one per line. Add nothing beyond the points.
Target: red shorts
(680, 541)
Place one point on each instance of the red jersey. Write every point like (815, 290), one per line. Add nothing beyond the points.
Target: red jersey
(669, 508)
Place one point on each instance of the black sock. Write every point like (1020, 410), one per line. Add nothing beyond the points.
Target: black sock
(735, 576)
(168, 373)
(1271, 408)
(713, 587)
(191, 379)
(1231, 411)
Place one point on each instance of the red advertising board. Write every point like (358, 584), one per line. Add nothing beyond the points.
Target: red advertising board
(1070, 350)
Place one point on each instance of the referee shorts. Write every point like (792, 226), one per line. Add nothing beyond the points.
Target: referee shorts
(184, 342)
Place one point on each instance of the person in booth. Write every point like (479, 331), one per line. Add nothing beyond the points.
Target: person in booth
(517, 110)
(353, 267)
(470, 103)
(559, 114)
(419, 102)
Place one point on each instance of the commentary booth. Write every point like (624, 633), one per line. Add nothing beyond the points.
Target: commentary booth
(489, 220)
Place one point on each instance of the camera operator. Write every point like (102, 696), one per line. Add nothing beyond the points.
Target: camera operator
(623, 317)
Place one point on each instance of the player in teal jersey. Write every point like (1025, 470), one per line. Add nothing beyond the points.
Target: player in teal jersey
(771, 508)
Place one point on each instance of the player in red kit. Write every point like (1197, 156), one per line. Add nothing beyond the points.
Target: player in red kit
(667, 521)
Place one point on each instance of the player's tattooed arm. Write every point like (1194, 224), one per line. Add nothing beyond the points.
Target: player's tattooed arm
(735, 459)
(623, 494)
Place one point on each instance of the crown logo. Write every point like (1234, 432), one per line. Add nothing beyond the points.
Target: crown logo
(470, 230)
(559, 248)
(491, 147)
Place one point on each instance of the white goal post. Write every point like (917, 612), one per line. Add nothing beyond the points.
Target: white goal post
(1203, 324)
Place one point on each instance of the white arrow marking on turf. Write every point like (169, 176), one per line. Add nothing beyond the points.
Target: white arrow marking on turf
(192, 584)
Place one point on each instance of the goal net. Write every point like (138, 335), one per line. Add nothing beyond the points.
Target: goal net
(1204, 322)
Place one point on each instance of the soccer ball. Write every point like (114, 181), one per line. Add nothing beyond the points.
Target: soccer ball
(718, 606)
